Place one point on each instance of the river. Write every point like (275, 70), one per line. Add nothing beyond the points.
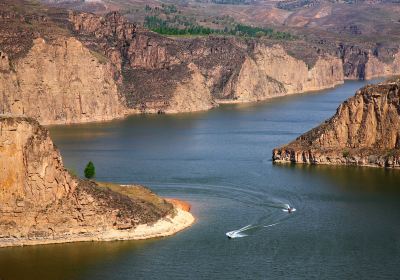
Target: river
(347, 223)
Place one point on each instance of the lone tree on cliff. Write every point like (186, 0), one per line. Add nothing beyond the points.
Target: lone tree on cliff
(90, 170)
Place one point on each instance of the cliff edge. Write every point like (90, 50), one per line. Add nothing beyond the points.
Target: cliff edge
(41, 203)
(364, 131)
(63, 67)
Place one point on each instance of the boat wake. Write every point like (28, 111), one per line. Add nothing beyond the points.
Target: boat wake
(240, 232)
(289, 209)
(262, 223)
(273, 210)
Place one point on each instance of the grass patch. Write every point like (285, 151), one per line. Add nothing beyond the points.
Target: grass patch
(137, 192)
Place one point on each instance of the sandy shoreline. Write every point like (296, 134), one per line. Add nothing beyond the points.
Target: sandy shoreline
(185, 206)
(166, 226)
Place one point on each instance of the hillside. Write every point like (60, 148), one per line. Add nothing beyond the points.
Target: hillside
(349, 19)
(62, 66)
(41, 203)
(364, 131)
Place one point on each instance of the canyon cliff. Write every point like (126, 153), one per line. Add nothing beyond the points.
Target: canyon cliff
(364, 131)
(65, 67)
(368, 62)
(59, 82)
(160, 74)
(40, 202)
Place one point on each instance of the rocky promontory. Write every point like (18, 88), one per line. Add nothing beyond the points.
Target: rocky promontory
(41, 203)
(364, 131)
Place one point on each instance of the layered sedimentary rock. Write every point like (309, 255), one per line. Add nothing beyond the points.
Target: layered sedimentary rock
(271, 71)
(364, 131)
(40, 202)
(179, 75)
(376, 68)
(69, 67)
(60, 81)
(367, 63)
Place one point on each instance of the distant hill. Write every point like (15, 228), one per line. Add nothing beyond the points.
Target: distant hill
(351, 18)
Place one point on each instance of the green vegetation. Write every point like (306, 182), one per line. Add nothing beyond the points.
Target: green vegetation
(345, 153)
(90, 170)
(167, 19)
(178, 26)
(163, 27)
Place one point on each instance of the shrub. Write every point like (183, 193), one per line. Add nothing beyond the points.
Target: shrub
(90, 170)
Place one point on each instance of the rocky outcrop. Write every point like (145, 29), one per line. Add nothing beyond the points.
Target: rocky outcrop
(163, 75)
(72, 67)
(271, 72)
(60, 82)
(368, 62)
(166, 75)
(364, 131)
(377, 68)
(40, 202)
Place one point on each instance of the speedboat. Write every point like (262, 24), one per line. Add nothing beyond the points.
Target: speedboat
(238, 233)
(289, 209)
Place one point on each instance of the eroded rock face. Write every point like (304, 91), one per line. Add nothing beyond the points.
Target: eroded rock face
(364, 131)
(41, 203)
(367, 63)
(60, 82)
(166, 75)
(80, 67)
(272, 72)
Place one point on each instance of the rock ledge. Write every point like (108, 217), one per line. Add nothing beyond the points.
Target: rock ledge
(364, 131)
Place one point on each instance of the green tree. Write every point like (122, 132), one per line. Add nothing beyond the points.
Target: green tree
(90, 170)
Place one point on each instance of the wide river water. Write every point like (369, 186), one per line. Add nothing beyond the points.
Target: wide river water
(347, 223)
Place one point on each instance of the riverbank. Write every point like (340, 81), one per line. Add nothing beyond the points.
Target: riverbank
(60, 207)
(166, 226)
(218, 102)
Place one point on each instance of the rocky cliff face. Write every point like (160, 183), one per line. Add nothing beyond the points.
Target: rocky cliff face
(61, 82)
(41, 203)
(364, 131)
(377, 68)
(71, 67)
(271, 71)
(368, 62)
(180, 75)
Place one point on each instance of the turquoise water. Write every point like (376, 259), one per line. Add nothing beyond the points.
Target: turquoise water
(347, 223)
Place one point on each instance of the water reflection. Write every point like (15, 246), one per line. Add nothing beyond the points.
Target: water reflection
(62, 261)
(352, 178)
